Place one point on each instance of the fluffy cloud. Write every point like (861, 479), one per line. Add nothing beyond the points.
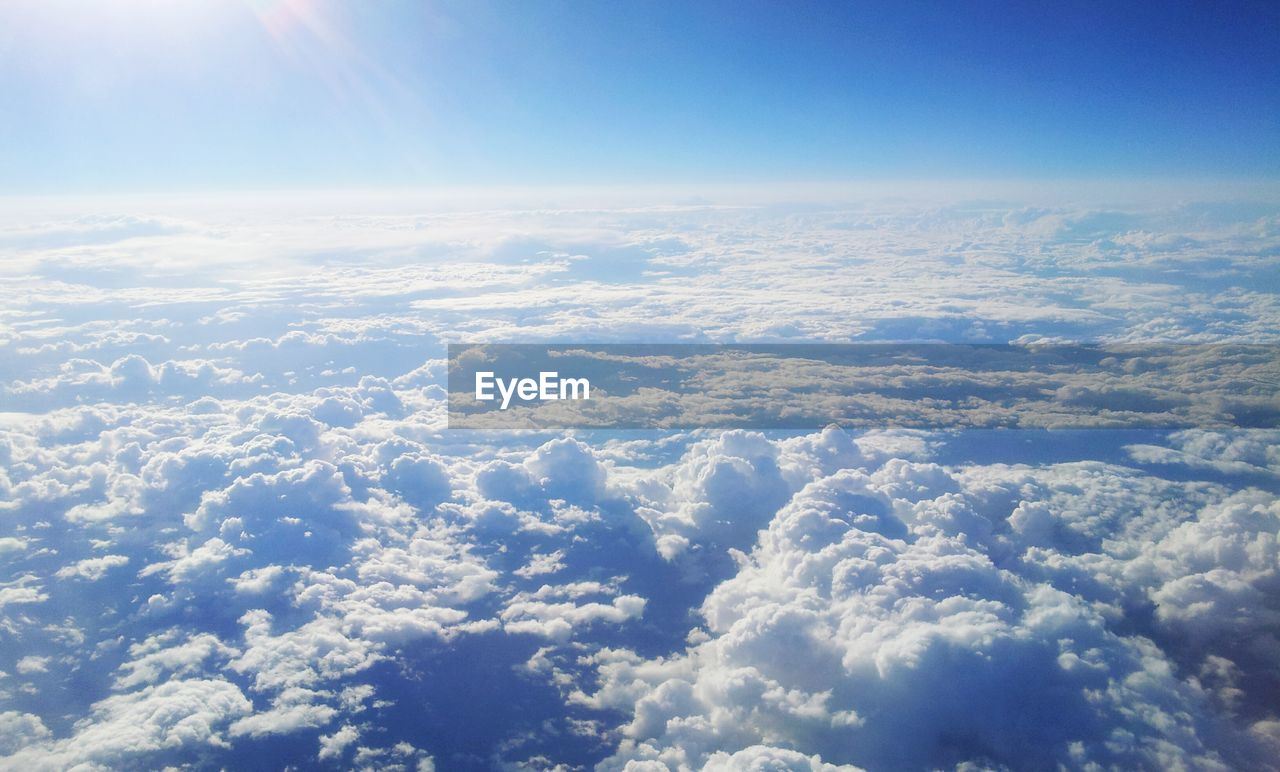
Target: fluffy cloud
(18, 730)
(92, 569)
(303, 657)
(723, 491)
(334, 745)
(553, 612)
(232, 514)
(169, 654)
(879, 611)
(127, 728)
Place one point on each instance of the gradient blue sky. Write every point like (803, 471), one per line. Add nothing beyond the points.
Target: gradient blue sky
(129, 95)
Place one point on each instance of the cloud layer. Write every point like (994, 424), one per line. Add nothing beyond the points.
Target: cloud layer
(233, 525)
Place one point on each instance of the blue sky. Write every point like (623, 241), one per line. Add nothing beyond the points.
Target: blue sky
(236, 530)
(127, 95)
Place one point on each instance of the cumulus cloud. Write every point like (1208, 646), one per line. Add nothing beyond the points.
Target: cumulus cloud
(303, 657)
(169, 654)
(723, 491)
(291, 711)
(760, 757)
(542, 613)
(131, 727)
(92, 569)
(32, 664)
(233, 514)
(18, 730)
(333, 746)
(850, 633)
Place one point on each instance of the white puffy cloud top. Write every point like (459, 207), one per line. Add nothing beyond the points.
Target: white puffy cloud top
(234, 527)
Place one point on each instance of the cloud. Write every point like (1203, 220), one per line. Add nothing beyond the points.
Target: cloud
(760, 757)
(723, 491)
(129, 379)
(867, 638)
(305, 511)
(292, 710)
(528, 613)
(18, 730)
(422, 481)
(233, 514)
(1253, 451)
(540, 565)
(169, 654)
(199, 562)
(32, 664)
(303, 657)
(566, 469)
(333, 746)
(92, 569)
(174, 715)
(21, 591)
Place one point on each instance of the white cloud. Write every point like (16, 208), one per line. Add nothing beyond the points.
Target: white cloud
(120, 728)
(759, 757)
(333, 746)
(169, 654)
(33, 664)
(559, 620)
(283, 719)
(840, 627)
(303, 657)
(225, 470)
(540, 565)
(92, 569)
(18, 730)
(722, 492)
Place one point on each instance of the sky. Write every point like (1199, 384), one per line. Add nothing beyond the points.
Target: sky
(145, 95)
(238, 531)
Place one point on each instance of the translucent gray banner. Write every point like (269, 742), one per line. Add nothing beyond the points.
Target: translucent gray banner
(926, 386)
